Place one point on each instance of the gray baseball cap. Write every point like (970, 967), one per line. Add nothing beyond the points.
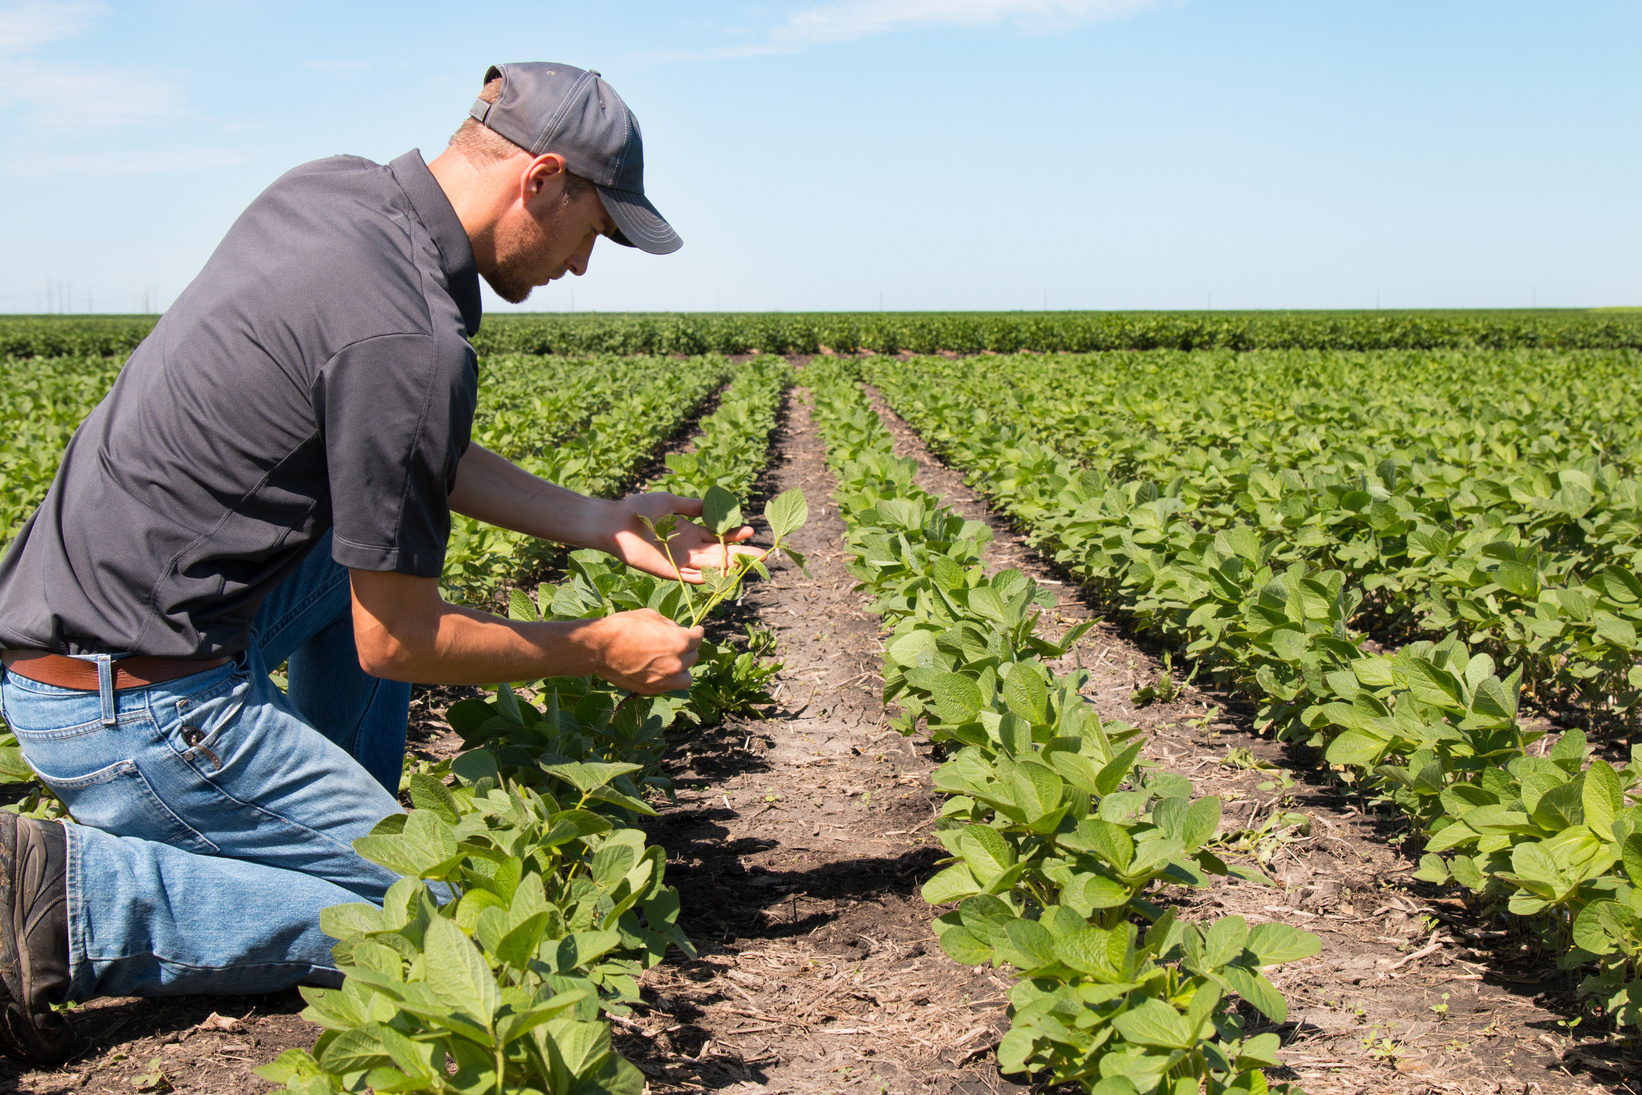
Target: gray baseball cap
(546, 107)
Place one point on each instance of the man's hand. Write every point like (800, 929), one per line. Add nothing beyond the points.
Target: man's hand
(692, 547)
(500, 493)
(644, 651)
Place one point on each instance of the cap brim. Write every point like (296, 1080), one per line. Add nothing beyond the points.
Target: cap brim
(638, 224)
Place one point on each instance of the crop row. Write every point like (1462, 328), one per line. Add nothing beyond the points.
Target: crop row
(961, 332)
(1554, 837)
(529, 902)
(43, 402)
(1492, 495)
(1060, 837)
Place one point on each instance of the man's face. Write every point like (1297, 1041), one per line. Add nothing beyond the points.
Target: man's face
(544, 236)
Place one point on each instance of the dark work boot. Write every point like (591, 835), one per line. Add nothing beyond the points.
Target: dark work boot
(34, 956)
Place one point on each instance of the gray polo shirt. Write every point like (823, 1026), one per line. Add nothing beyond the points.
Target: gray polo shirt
(316, 374)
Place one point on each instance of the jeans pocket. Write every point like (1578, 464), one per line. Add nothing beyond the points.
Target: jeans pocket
(118, 800)
(196, 722)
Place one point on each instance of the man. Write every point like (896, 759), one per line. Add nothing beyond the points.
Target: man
(270, 479)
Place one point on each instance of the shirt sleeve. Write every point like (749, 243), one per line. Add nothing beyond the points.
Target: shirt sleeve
(397, 415)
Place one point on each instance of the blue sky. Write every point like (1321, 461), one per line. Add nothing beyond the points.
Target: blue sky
(909, 154)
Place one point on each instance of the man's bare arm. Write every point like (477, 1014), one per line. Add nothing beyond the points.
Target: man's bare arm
(493, 489)
(405, 631)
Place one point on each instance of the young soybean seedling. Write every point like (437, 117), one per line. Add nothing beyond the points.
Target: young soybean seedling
(721, 515)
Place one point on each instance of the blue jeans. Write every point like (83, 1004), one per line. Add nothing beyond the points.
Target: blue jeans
(216, 817)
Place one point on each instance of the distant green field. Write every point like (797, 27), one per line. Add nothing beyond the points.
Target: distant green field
(960, 332)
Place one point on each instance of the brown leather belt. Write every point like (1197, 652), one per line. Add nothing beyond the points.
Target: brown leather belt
(65, 672)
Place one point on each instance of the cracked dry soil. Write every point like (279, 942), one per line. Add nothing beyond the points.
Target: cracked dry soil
(798, 845)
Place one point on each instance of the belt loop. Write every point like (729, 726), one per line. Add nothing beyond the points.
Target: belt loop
(105, 688)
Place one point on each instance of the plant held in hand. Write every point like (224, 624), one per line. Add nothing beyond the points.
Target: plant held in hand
(721, 515)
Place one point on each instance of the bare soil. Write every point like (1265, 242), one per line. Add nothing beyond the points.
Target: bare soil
(798, 845)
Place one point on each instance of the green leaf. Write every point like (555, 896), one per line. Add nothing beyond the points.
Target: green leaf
(787, 513)
(1154, 1023)
(953, 884)
(1276, 943)
(1591, 929)
(427, 793)
(1037, 789)
(986, 851)
(518, 946)
(1087, 951)
(1109, 841)
(1118, 769)
(1435, 687)
(356, 1050)
(585, 777)
(425, 849)
(1601, 798)
(798, 559)
(964, 947)
(521, 607)
(1254, 988)
(1492, 699)
(720, 511)
(1433, 869)
(293, 1064)
(1025, 693)
(1631, 856)
(1373, 672)
(1224, 940)
(957, 697)
(1537, 868)
(1356, 749)
(473, 903)
(355, 918)
(476, 764)
(1032, 945)
(1101, 892)
(1202, 822)
(457, 973)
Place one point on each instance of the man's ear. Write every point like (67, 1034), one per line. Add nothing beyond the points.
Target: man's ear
(543, 175)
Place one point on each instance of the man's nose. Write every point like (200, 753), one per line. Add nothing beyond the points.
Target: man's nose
(577, 263)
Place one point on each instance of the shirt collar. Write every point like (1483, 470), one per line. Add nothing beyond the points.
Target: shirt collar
(433, 208)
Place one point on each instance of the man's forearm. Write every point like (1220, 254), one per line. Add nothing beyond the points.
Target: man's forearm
(464, 646)
(492, 489)
(404, 631)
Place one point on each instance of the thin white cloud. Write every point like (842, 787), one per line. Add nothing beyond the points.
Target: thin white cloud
(29, 24)
(116, 163)
(72, 96)
(848, 20)
(85, 96)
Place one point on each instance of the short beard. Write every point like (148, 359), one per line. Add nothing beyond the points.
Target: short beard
(516, 251)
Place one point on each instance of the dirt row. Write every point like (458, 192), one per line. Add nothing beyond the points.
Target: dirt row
(799, 843)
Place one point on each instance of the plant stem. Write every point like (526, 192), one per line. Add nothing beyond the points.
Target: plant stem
(666, 549)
